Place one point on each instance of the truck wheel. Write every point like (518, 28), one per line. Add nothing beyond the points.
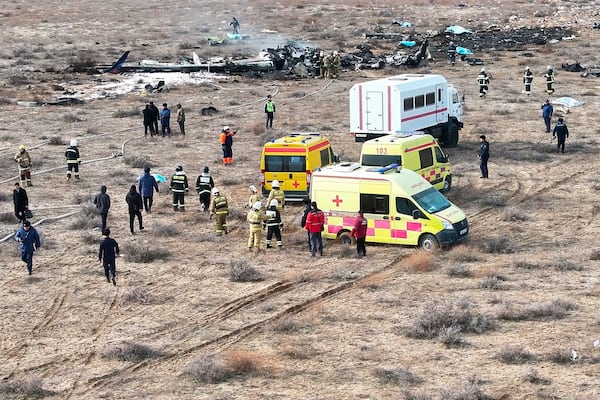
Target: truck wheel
(428, 242)
(452, 135)
(345, 239)
(447, 184)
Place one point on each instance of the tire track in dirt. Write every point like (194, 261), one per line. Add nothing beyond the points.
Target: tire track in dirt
(228, 339)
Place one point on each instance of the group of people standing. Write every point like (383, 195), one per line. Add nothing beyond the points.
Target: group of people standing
(152, 115)
(329, 64)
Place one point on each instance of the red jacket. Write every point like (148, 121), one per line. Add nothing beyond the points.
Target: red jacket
(360, 227)
(315, 221)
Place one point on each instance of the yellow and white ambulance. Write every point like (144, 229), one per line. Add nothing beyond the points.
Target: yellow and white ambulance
(416, 151)
(291, 160)
(401, 207)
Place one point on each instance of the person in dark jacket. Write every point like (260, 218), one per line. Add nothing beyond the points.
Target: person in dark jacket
(73, 159)
(102, 202)
(107, 254)
(30, 242)
(179, 186)
(149, 120)
(359, 232)
(273, 224)
(21, 202)
(452, 53)
(204, 185)
(270, 111)
(306, 201)
(315, 221)
(155, 116)
(147, 186)
(561, 132)
(547, 111)
(484, 155)
(135, 206)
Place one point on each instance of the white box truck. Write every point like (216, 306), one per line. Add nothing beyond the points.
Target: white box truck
(405, 103)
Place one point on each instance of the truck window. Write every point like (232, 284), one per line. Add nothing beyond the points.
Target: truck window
(455, 98)
(405, 206)
(439, 156)
(325, 157)
(419, 101)
(426, 157)
(375, 203)
(374, 160)
(430, 98)
(408, 104)
(285, 164)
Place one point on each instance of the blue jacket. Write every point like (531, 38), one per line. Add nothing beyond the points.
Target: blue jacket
(30, 241)
(547, 110)
(109, 248)
(165, 116)
(147, 185)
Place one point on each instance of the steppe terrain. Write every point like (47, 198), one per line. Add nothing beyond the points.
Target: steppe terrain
(511, 314)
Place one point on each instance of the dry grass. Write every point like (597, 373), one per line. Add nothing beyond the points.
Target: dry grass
(242, 271)
(419, 262)
(27, 388)
(249, 363)
(208, 368)
(140, 295)
(463, 253)
(555, 309)
(396, 376)
(143, 252)
(459, 271)
(131, 351)
(514, 355)
(533, 376)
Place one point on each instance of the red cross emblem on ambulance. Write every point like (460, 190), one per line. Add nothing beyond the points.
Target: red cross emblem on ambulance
(295, 184)
(337, 200)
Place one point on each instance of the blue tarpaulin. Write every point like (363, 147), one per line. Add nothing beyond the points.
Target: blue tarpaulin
(407, 43)
(463, 51)
(457, 30)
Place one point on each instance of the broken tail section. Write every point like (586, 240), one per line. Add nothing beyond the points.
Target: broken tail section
(116, 67)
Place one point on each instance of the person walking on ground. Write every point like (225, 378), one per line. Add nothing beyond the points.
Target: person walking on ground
(273, 224)
(484, 155)
(334, 65)
(315, 221)
(254, 196)
(29, 240)
(23, 159)
(219, 209)
(107, 254)
(204, 185)
(181, 118)
(148, 121)
(102, 202)
(146, 187)
(561, 132)
(235, 24)
(21, 202)
(154, 116)
(135, 206)
(278, 194)
(270, 111)
(527, 79)
(359, 232)
(547, 111)
(483, 80)
(255, 219)
(165, 120)
(227, 145)
(452, 53)
(549, 77)
(179, 186)
(73, 159)
(307, 209)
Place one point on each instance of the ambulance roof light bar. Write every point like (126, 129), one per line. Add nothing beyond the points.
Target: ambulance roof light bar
(389, 168)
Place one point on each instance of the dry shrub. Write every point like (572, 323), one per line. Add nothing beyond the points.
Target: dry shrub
(132, 112)
(87, 217)
(563, 356)
(296, 276)
(459, 271)
(5, 196)
(56, 141)
(287, 325)
(463, 253)
(513, 215)
(451, 337)
(566, 264)
(497, 245)
(71, 118)
(438, 315)
(420, 261)
(165, 230)
(469, 390)
(26, 388)
(248, 363)
(137, 161)
(242, 271)
(492, 281)
(406, 395)
(297, 351)
(346, 251)
(141, 252)
(132, 351)
(595, 255)
(555, 309)
(524, 264)
(396, 376)
(533, 376)
(8, 218)
(257, 128)
(139, 295)
(208, 368)
(514, 355)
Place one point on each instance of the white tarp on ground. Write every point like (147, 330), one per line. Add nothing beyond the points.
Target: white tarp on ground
(568, 102)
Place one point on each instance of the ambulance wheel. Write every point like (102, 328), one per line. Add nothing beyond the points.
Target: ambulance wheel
(452, 135)
(346, 239)
(428, 242)
(447, 184)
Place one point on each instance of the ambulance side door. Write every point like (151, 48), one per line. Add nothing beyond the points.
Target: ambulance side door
(376, 208)
(405, 228)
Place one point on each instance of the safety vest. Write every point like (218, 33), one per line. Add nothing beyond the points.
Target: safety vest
(203, 184)
(279, 195)
(273, 217)
(483, 79)
(72, 155)
(270, 106)
(179, 183)
(253, 199)
(220, 205)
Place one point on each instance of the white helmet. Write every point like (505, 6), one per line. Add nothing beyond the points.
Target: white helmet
(549, 67)
(526, 68)
(257, 205)
(73, 142)
(482, 69)
(252, 188)
(226, 128)
(275, 184)
(273, 202)
(215, 190)
(335, 53)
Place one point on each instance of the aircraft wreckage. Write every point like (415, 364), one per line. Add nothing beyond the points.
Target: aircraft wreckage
(303, 61)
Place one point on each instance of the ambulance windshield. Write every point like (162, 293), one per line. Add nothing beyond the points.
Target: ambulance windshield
(431, 200)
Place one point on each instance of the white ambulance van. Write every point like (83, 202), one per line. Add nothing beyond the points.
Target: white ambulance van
(401, 207)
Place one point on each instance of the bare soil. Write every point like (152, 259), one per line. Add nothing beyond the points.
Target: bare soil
(331, 328)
